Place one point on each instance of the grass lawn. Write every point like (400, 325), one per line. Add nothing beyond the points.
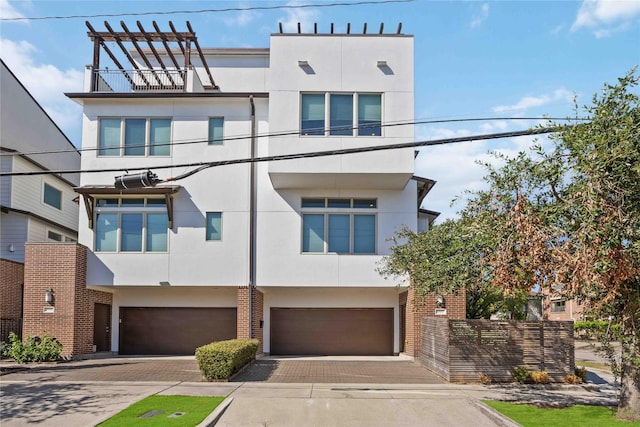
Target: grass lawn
(590, 364)
(196, 408)
(573, 416)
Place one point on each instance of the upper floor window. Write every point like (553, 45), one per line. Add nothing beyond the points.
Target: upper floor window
(216, 130)
(338, 225)
(134, 137)
(52, 196)
(348, 114)
(214, 225)
(558, 306)
(131, 225)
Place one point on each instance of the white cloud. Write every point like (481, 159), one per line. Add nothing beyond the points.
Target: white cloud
(480, 17)
(556, 30)
(242, 18)
(46, 83)
(559, 95)
(306, 18)
(7, 11)
(606, 17)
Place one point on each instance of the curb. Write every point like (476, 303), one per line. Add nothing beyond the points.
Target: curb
(213, 417)
(495, 416)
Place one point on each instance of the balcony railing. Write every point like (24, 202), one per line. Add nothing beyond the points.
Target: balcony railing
(139, 81)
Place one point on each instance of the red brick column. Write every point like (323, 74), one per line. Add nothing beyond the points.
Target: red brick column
(11, 280)
(243, 312)
(63, 268)
(419, 307)
(257, 320)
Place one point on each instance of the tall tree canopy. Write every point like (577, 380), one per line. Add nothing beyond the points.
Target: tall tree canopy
(565, 219)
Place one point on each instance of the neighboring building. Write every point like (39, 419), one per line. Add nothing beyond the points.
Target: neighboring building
(284, 251)
(39, 208)
(560, 308)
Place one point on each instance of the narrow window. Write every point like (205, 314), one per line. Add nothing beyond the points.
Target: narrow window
(106, 232)
(369, 115)
(313, 233)
(134, 137)
(341, 114)
(216, 130)
(131, 229)
(313, 202)
(339, 233)
(214, 225)
(52, 196)
(52, 235)
(160, 137)
(312, 122)
(364, 234)
(109, 138)
(157, 225)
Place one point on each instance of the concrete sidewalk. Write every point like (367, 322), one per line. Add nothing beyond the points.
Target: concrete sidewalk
(55, 403)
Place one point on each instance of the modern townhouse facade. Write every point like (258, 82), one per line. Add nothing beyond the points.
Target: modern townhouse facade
(279, 249)
(36, 208)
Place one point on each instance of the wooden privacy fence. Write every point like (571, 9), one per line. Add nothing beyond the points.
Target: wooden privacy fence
(461, 350)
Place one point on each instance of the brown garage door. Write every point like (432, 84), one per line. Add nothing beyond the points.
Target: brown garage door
(171, 330)
(332, 331)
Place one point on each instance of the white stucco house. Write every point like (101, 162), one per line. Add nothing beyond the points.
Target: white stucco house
(284, 251)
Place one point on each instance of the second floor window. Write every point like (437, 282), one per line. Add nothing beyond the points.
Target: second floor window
(134, 137)
(216, 130)
(131, 225)
(338, 225)
(348, 114)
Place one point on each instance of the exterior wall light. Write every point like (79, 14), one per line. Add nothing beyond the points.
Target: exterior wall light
(48, 296)
(440, 301)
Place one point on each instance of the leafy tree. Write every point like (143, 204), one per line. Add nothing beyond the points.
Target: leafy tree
(565, 219)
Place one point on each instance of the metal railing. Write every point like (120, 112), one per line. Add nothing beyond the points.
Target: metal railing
(138, 81)
(10, 325)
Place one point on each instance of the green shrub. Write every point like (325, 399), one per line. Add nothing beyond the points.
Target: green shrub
(581, 372)
(34, 349)
(219, 360)
(522, 375)
(592, 329)
(539, 377)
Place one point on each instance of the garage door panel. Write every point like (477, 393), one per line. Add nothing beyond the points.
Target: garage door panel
(171, 330)
(331, 331)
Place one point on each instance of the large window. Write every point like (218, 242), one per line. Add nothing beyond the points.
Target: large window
(131, 225)
(338, 110)
(134, 137)
(558, 306)
(216, 130)
(338, 225)
(52, 196)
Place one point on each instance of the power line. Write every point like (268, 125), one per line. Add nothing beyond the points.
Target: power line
(228, 9)
(290, 133)
(205, 165)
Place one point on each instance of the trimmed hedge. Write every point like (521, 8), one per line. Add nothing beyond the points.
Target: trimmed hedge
(592, 328)
(221, 359)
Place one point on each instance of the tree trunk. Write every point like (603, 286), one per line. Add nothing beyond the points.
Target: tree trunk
(629, 404)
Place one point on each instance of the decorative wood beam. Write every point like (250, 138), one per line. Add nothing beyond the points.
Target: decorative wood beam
(202, 58)
(179, 38)
(126, 53)
(165, 43)
(155, 53)
(140, 52)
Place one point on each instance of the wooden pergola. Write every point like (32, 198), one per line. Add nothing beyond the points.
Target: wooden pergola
(157, 41)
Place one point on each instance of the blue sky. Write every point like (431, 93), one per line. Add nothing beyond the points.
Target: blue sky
(472, 59)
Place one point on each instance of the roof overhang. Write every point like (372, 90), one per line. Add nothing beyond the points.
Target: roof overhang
(424, 186)
(89, 193)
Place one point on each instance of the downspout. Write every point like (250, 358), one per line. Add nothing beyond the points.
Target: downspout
(252, 216)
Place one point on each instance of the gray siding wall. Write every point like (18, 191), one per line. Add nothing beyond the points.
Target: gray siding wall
(5, 181)
(13, 231)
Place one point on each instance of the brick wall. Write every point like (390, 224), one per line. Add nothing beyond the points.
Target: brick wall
(243, 312)
(61, 267)
(11, 280)
(572, 310)
(257, 321)
(419, 307)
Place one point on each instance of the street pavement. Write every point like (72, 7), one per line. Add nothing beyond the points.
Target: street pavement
(309, 392)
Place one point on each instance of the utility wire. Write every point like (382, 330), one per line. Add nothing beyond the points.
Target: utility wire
(227, 9)
(285, 133)
(205, 165)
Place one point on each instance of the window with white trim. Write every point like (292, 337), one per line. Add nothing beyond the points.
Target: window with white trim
(131, 225)
(52, 196)
(338, 225)
(348, 114)
(558, 306)
(132, 136)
